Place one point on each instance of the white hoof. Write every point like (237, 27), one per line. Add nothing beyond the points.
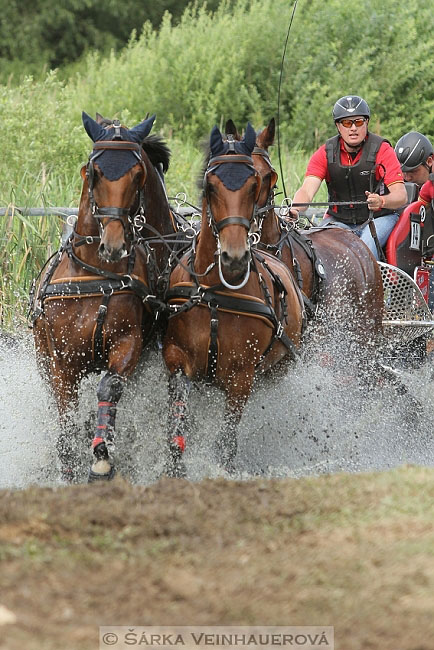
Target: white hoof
(101, 470)
(101, 467)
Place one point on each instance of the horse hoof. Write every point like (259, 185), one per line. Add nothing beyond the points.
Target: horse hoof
(102, 470)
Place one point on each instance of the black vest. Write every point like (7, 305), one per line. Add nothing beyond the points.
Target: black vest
(349, 183)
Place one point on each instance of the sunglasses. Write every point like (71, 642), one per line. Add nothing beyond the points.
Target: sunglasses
(347, 123)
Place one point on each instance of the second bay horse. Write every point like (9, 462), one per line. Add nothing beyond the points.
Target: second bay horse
(235, 311)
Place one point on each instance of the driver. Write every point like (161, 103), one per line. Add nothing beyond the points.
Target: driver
(357, 166)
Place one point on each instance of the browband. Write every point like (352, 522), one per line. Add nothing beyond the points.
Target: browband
(231, 158)
(117, 144)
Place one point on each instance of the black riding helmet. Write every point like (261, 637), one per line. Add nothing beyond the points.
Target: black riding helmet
(412, 150)
(350, 105)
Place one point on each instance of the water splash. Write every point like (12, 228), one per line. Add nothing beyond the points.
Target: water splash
(316, 419)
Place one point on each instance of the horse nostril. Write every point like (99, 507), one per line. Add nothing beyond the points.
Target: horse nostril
(225, 258)
(104, 252)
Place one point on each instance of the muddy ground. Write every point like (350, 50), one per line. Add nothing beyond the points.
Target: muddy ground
(351, 551)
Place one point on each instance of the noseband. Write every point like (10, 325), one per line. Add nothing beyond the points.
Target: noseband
(112, 213)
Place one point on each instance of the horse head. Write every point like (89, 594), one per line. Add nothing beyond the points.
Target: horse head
(261, 158)
(262, 162)
(231, 188)
(115, 175)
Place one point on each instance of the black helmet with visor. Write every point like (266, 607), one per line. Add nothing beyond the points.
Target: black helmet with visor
(350, 105)
(412, 150)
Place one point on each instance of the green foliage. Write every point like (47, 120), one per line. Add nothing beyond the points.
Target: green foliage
(38, 35)
(380, 51)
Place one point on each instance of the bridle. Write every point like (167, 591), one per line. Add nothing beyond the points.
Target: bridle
(217, 226)
(110, 212)
(269, 204)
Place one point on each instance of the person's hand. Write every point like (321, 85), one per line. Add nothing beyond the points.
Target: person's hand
(290, 214)
(375, 201)
(294, 213)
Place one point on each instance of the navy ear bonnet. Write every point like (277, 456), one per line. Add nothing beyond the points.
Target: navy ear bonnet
(233, 176)
(115, 163)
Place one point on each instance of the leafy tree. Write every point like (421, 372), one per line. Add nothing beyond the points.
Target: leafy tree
(40, 35)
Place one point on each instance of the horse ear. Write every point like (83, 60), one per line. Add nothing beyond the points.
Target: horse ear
(265, 138)
(250, 137)
(93, 129)
(140, 131)
(99, 118)
(216, 142)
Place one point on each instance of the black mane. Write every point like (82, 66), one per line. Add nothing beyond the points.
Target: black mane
(206, 155)
(157, 150)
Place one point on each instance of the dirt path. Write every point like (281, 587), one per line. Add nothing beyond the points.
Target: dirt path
(352, 551)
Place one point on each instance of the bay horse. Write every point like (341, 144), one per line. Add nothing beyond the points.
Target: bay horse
(340, 279)
(234, 311)
(95, 305)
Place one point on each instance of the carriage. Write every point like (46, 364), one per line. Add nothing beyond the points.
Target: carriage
(406, 275)
(408, 320)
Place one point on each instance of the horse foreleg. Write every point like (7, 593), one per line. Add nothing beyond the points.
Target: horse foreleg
(179, 390)
(109, 392)
(226, 446)
(64, 384)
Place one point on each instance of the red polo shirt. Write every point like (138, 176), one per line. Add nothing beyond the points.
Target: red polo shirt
(386, 156)
(426, 194)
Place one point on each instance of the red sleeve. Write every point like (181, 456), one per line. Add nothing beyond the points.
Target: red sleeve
(391, 169)
(426, 193)
(317, 165)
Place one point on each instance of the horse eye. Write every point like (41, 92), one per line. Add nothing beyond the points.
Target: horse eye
(253, 188)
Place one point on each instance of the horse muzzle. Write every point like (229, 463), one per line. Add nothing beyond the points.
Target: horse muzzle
(233, 264)
(111, 253)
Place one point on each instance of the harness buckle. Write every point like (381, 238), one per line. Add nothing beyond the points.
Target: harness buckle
(231, 142)
(102, 311)
(198, 296)
(254, 238)
(139, 221)
(279, 331)
(128, 284)
(180, 200)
